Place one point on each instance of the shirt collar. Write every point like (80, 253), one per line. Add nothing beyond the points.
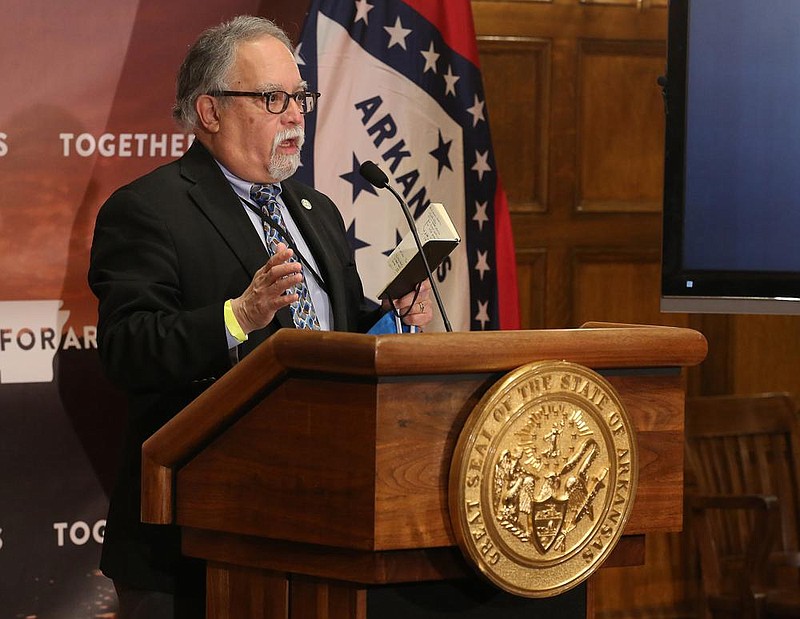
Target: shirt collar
(240, 186)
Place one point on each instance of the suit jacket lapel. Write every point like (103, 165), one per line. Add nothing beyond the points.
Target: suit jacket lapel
(313, 230)
(215, 197)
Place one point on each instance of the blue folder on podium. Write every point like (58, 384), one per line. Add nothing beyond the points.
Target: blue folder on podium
(390, 323)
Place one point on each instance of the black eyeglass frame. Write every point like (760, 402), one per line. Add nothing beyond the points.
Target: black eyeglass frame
(300, 98)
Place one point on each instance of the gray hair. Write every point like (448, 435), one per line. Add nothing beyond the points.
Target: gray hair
(210, 59)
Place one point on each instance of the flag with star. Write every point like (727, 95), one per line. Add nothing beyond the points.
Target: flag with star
(401, 86)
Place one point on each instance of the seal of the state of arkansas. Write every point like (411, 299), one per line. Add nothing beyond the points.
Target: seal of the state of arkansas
(543, 478)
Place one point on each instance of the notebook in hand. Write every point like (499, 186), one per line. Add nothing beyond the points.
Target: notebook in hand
(438, 237)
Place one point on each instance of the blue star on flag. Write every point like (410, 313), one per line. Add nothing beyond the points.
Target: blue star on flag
(442, 154)
(359, 182)
(355, 242)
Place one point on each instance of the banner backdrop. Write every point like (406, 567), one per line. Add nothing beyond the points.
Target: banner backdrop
(88, 89)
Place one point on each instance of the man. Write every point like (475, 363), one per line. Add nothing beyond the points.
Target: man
(199, 261)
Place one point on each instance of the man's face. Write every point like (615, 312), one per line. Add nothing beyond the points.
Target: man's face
(251, 142)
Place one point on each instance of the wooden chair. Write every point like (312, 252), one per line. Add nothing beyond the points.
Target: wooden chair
(744, 455)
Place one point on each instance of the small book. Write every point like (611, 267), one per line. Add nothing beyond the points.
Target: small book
(438, 237)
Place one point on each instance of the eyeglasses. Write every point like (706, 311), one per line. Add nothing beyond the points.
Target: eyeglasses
(276, 101)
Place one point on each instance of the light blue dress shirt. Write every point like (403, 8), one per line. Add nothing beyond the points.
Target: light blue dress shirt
(319, 297)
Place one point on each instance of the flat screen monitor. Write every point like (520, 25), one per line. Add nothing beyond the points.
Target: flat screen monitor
(731, 240)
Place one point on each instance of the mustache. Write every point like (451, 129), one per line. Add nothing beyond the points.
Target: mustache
(294, 133)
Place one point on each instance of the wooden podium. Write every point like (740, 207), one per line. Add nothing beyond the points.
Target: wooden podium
(318, 466)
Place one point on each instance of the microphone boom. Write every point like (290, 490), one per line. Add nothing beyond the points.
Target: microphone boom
(376, 177)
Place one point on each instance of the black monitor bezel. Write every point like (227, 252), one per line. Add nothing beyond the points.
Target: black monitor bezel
(772, 292)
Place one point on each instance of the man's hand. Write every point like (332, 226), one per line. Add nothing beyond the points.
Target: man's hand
(266, 294)
(415, 308)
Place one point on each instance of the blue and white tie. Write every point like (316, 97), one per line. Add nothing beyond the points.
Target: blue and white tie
(266, 197)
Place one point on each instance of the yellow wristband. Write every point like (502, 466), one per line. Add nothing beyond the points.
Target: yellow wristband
(233, 326)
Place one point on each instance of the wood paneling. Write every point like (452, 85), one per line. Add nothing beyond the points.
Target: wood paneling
(748, 354)
(620, 141)
(639, 4)
(531, 280)
(619, 286)
(765, 354)
(591, 84)
(517, 83)
(664, 587)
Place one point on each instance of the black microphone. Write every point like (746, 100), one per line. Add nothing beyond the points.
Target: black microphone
(376, 177)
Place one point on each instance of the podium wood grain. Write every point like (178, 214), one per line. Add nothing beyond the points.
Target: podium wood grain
(327, 455)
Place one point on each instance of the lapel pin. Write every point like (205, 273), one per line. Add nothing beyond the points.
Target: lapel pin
(306, 204)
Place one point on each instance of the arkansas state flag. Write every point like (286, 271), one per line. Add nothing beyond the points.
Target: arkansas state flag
(401, 86)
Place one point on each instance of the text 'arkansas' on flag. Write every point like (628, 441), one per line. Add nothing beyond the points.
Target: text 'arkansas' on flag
(401, 86)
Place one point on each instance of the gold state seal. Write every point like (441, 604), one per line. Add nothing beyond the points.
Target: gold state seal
(543, 478)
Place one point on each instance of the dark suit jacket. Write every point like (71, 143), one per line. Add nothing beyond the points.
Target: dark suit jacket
(169, 249)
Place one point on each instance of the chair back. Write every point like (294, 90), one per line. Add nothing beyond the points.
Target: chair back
(740, 446)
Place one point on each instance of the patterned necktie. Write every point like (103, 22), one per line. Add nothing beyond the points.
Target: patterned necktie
(266, 197)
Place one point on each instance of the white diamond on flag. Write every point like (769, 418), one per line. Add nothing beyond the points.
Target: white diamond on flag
(394, 92)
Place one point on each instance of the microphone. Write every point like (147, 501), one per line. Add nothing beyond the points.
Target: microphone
(376, 177)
